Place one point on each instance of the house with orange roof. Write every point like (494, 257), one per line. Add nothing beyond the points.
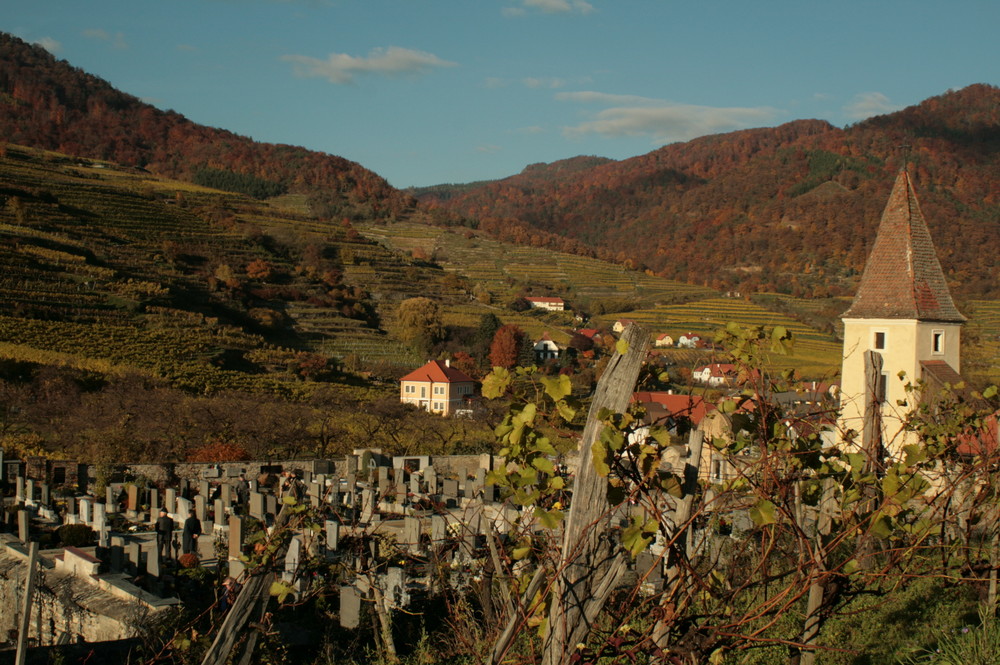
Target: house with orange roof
(437, 387)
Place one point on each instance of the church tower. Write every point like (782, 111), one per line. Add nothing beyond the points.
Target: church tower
(902, 312)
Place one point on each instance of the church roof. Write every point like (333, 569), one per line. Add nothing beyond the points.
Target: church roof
(903, 278)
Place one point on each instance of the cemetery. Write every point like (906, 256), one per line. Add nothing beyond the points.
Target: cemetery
(102, 570)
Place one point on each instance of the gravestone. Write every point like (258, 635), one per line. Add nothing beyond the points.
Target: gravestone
(411, 533)
(220, 514)
(23, 525)
(170, 500)
(350, 607)
(71, 505)
(439, 529)
(199, 507)
(226, 494)
(292, 558)
(236, 536)
(44, 497)
(100, 524)
(395, 587)
(183, 508)
(367, 504)
(19, 490)
(257, 505)
(86, 509)
(110, 500)
(153, 562)
(154, 504)
(29, 492)
(332, 535)
(271, 503)
(132, 503)
(204, 488)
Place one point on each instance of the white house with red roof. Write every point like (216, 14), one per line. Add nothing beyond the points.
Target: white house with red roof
(663, 340)
(437, 387)
(553, 304)
(715, 374)
(546, 349)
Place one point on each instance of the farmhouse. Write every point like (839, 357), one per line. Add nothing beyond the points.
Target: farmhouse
(552, 304)
(715, 374)
(663, 340)
(437, 387)
(546, 349)
(620, 325)
(688, 341)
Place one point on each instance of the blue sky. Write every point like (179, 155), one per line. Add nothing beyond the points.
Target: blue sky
(434, 91)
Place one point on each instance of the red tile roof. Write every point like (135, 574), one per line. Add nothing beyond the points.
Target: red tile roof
(903, 278)
(437, 371)
(546, 299)
(693, 407)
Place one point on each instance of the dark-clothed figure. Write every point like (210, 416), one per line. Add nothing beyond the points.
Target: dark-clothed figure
(243, 490)
(189, 537)
(164, 534)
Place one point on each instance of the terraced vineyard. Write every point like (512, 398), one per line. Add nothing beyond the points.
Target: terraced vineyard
(501, 267)
(815, 354)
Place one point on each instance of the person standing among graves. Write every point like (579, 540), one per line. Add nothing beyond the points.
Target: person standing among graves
(164, 533)
(189, 537)
(243, 490)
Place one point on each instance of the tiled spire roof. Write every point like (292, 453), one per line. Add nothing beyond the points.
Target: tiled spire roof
(903, 278)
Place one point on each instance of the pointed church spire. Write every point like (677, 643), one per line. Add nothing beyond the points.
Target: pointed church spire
(903, 278)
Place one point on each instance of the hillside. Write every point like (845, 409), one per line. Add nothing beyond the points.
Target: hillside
(745, 209)
(47, 103)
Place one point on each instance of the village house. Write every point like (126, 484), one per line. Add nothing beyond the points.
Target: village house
(663, 340)
(553, 304)
(546, 349)
(620, 325)
(715, 374)
(437, 387)
(688, 341)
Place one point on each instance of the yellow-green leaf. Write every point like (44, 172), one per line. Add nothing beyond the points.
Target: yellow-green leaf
(621, 346)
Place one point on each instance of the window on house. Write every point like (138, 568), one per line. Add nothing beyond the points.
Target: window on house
(937, 341)
(439, 390)
(879, 341)
(423, 391)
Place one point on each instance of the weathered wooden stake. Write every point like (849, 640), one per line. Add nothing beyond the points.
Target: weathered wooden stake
(24, 621)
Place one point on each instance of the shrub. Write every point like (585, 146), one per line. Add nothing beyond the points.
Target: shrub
(75, 535)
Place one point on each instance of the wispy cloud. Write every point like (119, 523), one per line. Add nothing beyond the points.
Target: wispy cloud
(663, 121)
(187, 48)
(543, 82)
(342, 68)
(488, 148)
(49, 44)
(867, 104)
(116, 40)
(550, 7)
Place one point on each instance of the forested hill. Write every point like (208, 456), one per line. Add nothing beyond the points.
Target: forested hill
(48, 103)
(792, 208)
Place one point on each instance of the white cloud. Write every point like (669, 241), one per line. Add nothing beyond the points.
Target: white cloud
(117, 40)
(661, 120)
(867, 104)
(550, 7)
(543, 82)
(341, 68)
(49, 44)
(560, 6)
